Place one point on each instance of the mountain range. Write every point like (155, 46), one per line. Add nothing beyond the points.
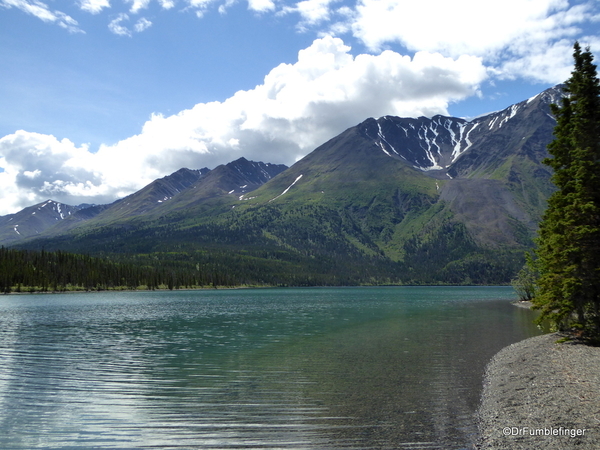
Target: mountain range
(390, 200)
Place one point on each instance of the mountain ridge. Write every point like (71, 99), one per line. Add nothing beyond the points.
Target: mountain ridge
(33, 220)
(438, 199)
(143, 202)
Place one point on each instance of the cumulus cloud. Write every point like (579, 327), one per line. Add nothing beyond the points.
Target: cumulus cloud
(521, 38)
(455, 27)
(301, 105)
(296, 108)
(42, 11)
(37, 167)
(516, 38)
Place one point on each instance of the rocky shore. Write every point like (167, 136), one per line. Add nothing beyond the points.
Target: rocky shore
(539, 394)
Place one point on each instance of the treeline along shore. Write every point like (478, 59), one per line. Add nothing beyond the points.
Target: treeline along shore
(33, 271)
(59, 271)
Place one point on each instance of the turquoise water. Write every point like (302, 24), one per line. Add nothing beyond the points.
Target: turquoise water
(319, 368)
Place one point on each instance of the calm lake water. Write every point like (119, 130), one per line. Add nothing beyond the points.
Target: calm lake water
(322, 368)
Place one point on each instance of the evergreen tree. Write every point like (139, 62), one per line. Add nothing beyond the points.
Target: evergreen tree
(569, 237)
(525, 283)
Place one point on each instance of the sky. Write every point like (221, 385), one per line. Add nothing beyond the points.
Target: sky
(100, 97)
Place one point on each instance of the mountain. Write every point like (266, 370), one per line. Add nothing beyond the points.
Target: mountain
(390, 200)
(179, 190)
(234, 179)
(52, 218)
(33, 220)
(147, 199)
(485, 174)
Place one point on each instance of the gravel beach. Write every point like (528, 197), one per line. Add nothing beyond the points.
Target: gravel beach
(541, 395)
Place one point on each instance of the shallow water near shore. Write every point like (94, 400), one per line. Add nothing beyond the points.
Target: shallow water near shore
(315, 368)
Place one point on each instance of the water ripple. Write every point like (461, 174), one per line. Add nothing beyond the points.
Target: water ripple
(257, 369)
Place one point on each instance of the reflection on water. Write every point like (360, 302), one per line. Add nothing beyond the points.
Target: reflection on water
(364, 368)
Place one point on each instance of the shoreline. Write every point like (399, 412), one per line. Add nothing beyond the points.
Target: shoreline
(523, 304)
(540, 394)
(24, 290)
(95, 291)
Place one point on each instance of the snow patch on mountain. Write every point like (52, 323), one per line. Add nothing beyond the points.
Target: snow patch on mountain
(435, 144)
(287, 189)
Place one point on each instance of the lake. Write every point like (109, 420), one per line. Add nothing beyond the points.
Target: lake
(315, 368)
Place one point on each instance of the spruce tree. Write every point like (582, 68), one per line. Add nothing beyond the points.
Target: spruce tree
(568, 246)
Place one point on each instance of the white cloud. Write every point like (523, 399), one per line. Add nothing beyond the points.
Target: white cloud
(32, 174)
(298, 107)
(116, 25)
(301, 105)
(37, 167)
(141, 25)
(312, 12)
(512, 36)
(42, 11)
(138, 5)
(94, 6)
(261, 5)
(167, 4)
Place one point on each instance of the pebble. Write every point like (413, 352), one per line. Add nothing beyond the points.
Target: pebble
(540, 394)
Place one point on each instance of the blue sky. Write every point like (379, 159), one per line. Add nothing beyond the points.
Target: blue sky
(100, 97)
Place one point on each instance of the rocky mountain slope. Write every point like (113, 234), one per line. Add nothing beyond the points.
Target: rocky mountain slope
(33, 220)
